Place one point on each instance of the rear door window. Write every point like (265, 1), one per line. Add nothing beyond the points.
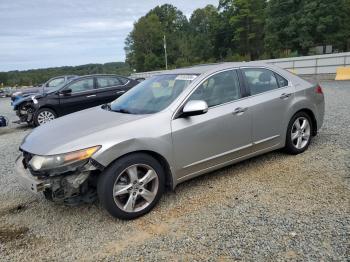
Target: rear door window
(104, 82)
(260, 80)
(82, 85)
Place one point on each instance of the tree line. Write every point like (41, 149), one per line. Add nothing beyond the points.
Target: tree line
(237, 30)
(39, 76)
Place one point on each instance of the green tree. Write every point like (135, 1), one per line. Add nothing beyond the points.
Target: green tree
(38, 76)
(323, 22)
(247, 19)
(203, 26)
(298, 25)
(280, 33)
(144, 45)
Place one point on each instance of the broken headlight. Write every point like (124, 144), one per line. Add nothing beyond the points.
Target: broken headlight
(45, 163)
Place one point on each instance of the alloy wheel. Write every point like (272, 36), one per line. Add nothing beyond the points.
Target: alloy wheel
(301, 131)
(45, 116)
(135, 188)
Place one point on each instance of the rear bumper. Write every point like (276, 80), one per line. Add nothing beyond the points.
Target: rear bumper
(28, 181)
(320, 112)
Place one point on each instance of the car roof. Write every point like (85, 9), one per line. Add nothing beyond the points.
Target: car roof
(102, 75)
(206, 68)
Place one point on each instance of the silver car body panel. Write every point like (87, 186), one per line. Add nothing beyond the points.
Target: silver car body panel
(191, 146)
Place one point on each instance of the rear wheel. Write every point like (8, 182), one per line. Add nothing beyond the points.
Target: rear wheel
(131, 186)
(43, 116)
(299, 133)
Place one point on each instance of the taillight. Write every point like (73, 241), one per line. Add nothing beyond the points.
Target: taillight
(318, 90)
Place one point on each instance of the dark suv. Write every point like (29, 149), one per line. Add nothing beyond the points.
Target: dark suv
(81, 93)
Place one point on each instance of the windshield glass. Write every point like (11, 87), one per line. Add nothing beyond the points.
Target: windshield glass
(152, 95)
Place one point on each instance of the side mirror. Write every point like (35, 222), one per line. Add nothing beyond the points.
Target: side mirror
(66, 92)
(194, 108)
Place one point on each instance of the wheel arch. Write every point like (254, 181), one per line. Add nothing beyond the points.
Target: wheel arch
(48, 107)
(169, 179)
(312, 116)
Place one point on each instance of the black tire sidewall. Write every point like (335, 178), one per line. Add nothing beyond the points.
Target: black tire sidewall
(290, 148)
(35, 119)
(108, 177)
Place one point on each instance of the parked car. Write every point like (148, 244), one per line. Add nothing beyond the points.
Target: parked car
(2, 93)
(51, 83)
(8, 91)
(78, 94)
(168, 129)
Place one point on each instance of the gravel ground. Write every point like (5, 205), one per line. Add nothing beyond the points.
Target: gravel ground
(272, 207)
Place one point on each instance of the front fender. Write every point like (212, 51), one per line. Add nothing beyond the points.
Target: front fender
(161, 146)
(19, 101)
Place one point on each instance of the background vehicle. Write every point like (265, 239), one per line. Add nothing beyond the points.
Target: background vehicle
(8, 91)
(51, 83)
(2, 93)
(78, 94)
(168, 129)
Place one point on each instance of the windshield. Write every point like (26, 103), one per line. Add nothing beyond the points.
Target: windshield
(152, 95)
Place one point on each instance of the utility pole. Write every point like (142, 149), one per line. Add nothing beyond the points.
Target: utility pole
(165, 53)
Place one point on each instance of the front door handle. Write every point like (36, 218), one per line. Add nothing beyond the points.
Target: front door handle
(120, 92)
(240, 110)
(90, 96)
(285, 95)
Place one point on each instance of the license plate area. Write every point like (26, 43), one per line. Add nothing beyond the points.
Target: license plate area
(27, 180)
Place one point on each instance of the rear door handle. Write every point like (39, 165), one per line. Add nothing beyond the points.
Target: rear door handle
(90, 96)
(120, 92)
(285, 95)
(240, 110)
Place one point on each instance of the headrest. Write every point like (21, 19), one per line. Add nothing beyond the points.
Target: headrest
(265, 77)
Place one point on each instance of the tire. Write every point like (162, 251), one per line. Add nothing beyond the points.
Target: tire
(123, 188)
(44, 115)
(296, 133)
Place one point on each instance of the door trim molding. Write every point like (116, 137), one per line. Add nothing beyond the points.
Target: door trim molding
(265, 139)
(218, 155)
(226, 163)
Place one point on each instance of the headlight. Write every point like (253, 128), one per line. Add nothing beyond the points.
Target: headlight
(41, 163)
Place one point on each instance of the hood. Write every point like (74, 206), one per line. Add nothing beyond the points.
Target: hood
(31, 90)
(71, 132)
(26, 97)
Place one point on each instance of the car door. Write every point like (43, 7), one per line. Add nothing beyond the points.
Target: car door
(82, 96)
(270, 99)
(108, 88)
(218, 136)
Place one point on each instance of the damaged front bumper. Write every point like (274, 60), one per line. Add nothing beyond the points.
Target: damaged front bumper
(25, 108)
(26, 179)
(71, 187)
(25, 116)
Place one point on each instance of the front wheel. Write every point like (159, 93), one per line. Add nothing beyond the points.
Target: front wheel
(131, 186)
(298, 134)
(44, 115)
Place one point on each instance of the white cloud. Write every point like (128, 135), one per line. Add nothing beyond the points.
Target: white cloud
(41, 33)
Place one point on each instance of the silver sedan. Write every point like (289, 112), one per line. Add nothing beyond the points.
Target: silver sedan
(170, 128)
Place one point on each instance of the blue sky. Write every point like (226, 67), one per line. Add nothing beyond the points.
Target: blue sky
(47, 33)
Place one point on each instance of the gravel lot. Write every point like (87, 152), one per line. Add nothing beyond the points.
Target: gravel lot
(273, 207)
